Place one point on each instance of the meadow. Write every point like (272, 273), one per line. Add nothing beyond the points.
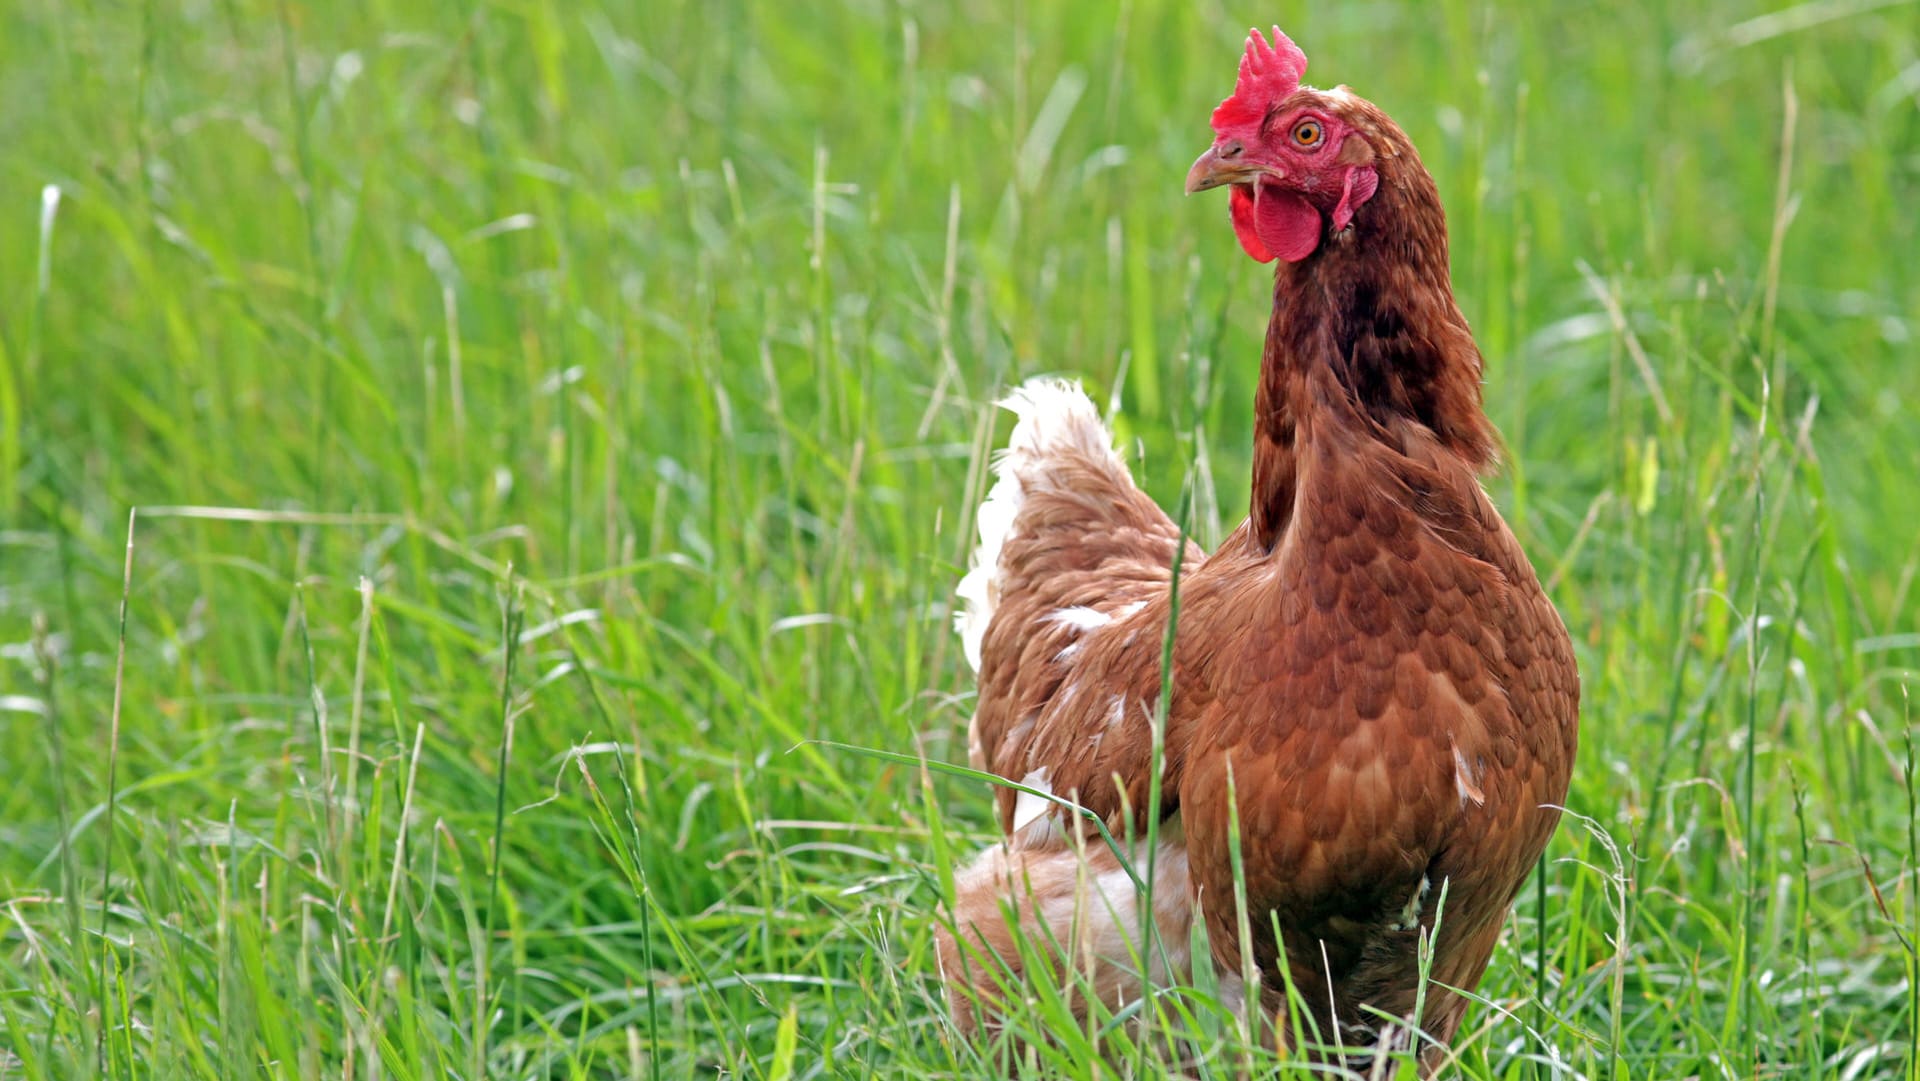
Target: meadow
(469, 472)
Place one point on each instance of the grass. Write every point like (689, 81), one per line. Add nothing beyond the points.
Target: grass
(597, 393)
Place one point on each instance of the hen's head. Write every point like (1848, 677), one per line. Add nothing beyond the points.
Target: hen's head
(1296, 157)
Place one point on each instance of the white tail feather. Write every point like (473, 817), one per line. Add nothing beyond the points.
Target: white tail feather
(1056, 417)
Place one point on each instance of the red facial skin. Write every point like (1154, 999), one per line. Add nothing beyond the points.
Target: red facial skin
(1293, 164)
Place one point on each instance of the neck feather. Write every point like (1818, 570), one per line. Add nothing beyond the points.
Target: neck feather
(1366, 341)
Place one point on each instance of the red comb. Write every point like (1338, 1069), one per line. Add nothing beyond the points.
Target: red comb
(1267, 74)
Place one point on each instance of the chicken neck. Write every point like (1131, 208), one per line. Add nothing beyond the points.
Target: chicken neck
(1366, 346)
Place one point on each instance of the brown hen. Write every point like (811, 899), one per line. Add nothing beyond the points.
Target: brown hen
(1368, 664)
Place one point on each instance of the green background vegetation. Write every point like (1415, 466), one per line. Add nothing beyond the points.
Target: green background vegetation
(602, 390)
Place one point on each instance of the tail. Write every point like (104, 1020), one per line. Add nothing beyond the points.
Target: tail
(1070, 550)
(1058, 445)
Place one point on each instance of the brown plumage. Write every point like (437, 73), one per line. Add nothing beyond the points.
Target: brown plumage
(1369, 661)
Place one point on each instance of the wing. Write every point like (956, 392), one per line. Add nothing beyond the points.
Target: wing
(1060, 618)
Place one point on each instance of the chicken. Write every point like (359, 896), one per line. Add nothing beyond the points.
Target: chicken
(1369, 683)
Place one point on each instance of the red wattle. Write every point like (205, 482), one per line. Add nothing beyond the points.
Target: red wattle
(1240, 205)
(1287, 225)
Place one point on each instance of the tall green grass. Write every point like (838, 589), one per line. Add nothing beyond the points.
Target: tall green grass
(596, 394)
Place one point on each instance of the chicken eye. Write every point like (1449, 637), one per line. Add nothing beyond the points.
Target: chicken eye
(1307, 134)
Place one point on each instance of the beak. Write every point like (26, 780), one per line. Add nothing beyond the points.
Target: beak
(1225, 163)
